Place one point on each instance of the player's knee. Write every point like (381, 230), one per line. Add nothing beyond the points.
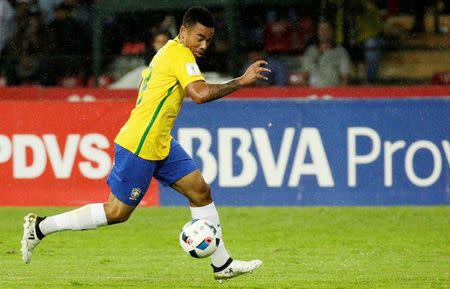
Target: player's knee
(117, 218)
(116, 215)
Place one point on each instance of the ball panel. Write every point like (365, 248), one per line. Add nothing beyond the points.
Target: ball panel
(203, 245)
(198, 238)
(193, 254)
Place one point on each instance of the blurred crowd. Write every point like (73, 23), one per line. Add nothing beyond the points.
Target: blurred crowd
(43, 40)
(49, 42)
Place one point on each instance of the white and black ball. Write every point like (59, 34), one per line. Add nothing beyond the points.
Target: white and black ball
(199, 238)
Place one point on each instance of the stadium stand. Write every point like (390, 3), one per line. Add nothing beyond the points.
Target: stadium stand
(284, 29)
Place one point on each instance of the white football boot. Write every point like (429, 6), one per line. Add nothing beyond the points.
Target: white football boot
(30, 239)
(236, 268)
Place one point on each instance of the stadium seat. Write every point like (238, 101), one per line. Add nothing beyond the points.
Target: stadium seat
(407, 21)
(71, 81)
(297, 78)
(278, 36)
(103, 81)
(304, 33)
(133, 48)
(414, 64)
(441, 78)
(2, 81)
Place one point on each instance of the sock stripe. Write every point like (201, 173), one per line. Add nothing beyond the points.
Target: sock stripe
(37, 229)
(218, 269)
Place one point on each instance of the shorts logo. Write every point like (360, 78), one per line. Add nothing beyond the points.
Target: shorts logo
(135, 193)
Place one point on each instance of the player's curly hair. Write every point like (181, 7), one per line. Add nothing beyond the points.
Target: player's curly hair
(198, 14)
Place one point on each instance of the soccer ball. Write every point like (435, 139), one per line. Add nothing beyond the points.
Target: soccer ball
(199, 238)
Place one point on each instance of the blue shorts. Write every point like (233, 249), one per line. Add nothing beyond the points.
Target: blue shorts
(131, 175)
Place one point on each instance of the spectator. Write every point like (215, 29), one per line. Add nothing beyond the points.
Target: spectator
(158, 40)
(27, 52)
(325, 63)
(83, 13)
(69, 45)
(419, 7)
(279, 74)
(66, 33)
(6, 17)
(446, 8)
(47, 7)
(368, 30)
(167, 24)
(133, 77)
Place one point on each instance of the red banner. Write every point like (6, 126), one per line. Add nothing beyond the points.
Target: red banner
(103, 94)
(59, 154)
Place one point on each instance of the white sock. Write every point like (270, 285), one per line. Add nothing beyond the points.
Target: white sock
(209, 212)
(88, 217)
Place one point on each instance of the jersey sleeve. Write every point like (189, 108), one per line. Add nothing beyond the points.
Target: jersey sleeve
(186, 69)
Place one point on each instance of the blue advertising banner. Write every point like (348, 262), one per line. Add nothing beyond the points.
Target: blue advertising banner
(307, 153)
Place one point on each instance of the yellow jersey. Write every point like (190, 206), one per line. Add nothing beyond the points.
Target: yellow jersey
(147, 131)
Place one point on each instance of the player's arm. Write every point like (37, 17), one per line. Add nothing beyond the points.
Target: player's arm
(201, 92)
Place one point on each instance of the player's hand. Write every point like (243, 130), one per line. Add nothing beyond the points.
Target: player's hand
(254, 72)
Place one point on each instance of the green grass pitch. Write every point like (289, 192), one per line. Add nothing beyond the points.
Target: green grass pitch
(339, 248)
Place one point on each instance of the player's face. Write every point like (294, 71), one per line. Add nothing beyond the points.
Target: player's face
(197, 38)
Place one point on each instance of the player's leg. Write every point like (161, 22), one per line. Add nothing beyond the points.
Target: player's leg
(198, 192)
(128, 180)
(181, 173)
(87, 217)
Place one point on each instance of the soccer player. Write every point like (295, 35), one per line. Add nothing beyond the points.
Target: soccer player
(144, 147)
